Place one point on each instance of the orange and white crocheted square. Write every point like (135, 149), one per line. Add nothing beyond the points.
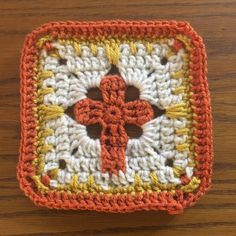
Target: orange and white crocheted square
(167, 168)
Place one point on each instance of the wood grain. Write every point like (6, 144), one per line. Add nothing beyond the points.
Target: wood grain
(215, 213)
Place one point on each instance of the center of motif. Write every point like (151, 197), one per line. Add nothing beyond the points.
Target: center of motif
(113, 114)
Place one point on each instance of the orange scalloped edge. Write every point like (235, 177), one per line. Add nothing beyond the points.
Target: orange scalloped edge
(200, 101)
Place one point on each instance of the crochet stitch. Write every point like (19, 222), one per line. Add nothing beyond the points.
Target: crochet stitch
(167, 168)
(113, 114)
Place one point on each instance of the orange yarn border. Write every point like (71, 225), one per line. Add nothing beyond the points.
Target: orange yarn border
(200, 101)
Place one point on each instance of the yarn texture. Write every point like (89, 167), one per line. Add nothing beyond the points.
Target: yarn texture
(168, 167)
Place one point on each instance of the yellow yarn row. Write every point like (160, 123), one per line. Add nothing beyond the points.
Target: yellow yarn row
(184, 74)
(183, 109)
(111, 45)
(41, 187)
(191, 141)
(177, 110)
(139, 186)
(43, 113)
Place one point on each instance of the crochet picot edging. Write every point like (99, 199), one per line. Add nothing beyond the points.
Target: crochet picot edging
(167, 168)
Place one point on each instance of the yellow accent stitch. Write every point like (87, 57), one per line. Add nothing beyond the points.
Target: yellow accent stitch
(133, 48)
(45, 74)
(182, 131)
(138, 183)
(177, 75)
(154, 179)
(77, 48)
(47, 112)
(192, 185)
(39, 184)
(45, 91)
(45, 133)
(42, 92)
(185, 40)
(169, 53)
(55, 55)
(94, 49)
(149, 47)
(178, 171)
(179, 90)
(113, 53)
(177, 110)
(53, 173)
(41, 41)
(74, 182)
(182, 147)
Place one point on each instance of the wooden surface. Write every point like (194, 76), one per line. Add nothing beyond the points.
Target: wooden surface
(215, 213)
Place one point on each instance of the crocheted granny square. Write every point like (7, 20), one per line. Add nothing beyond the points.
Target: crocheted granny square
(167, 168)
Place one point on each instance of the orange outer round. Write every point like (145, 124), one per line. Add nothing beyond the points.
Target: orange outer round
(199, 98)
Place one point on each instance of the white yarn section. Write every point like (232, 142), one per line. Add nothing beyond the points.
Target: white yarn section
(157, 144)
(144, 155)
(72, 81)
(72, 144)
(146, 72)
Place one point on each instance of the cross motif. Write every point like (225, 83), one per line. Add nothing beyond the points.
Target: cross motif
(113, 114)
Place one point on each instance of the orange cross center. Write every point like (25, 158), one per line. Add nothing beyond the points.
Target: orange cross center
(113, 114)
